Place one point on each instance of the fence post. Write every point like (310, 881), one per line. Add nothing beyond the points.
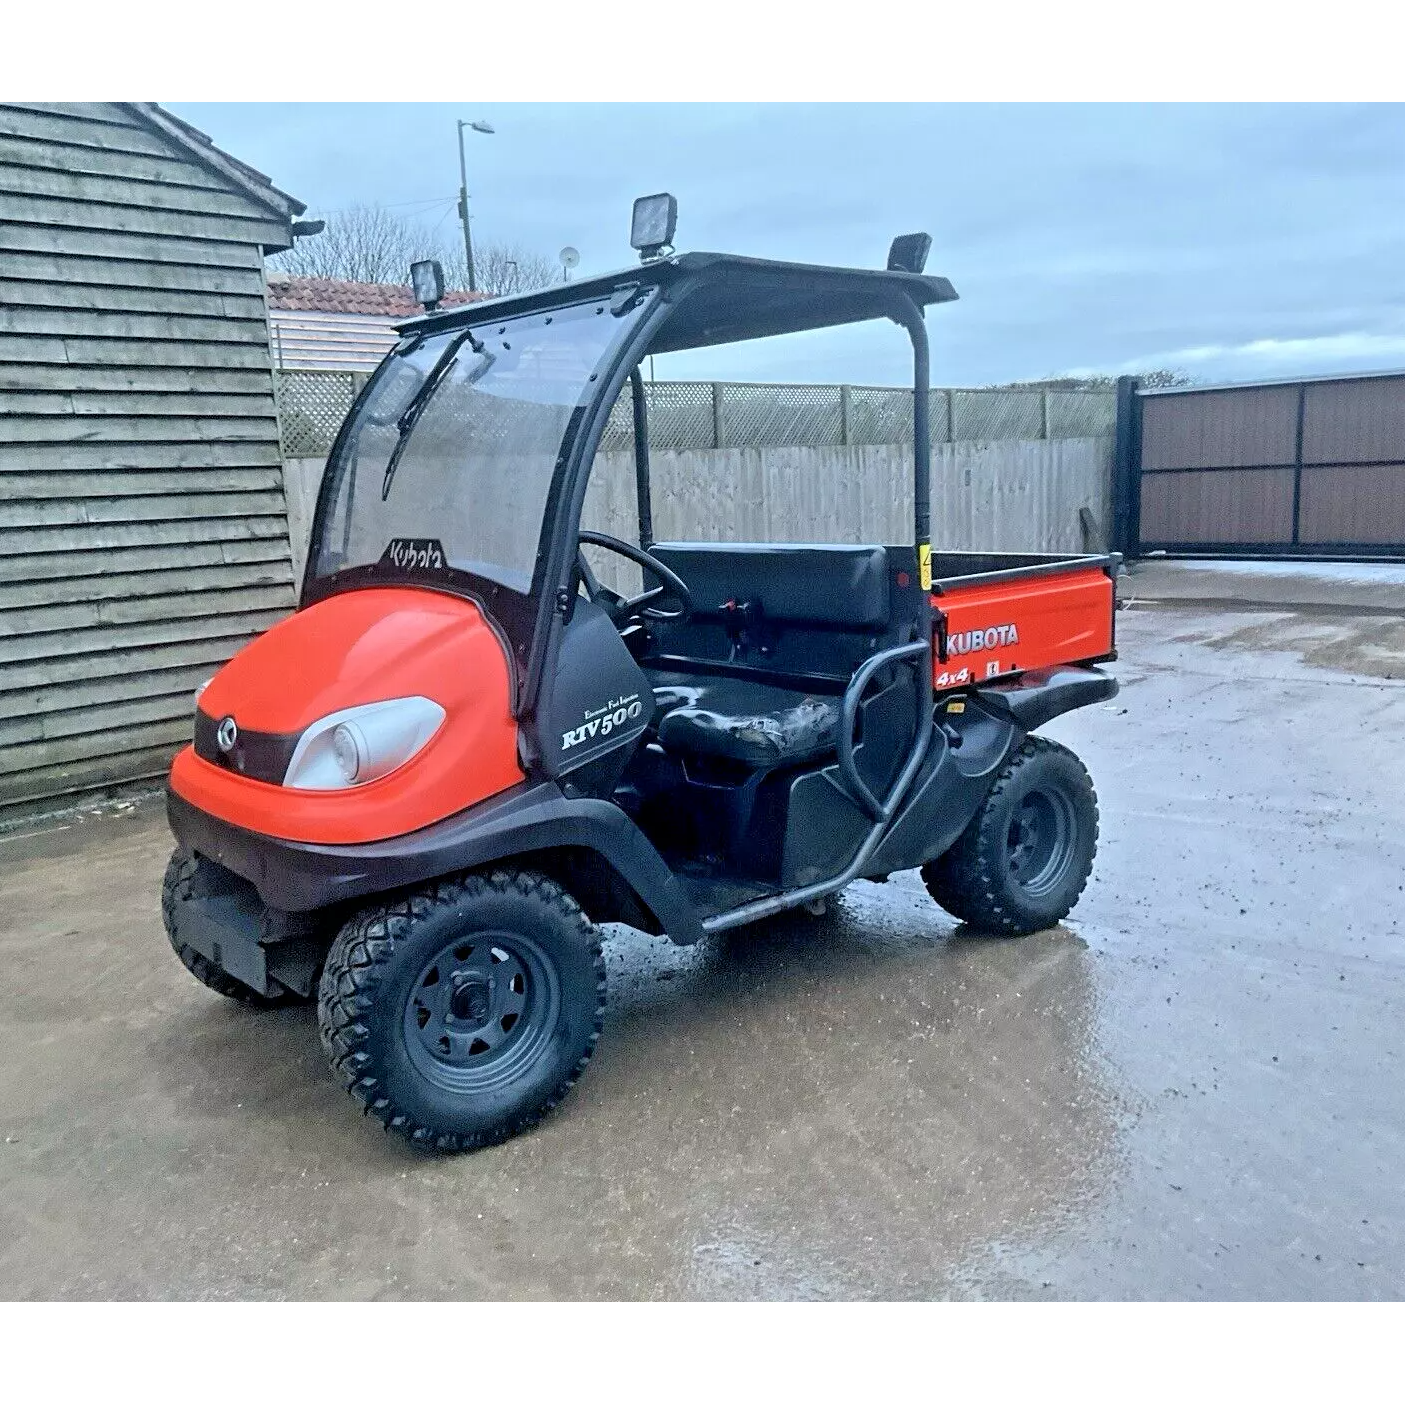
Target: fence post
(1298, 462)
(844, 413)
(1127, 469)
(1044, 414)
(717, 414)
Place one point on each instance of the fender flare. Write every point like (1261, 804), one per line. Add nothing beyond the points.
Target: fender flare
(534, 816)
(955, 781)
(1036, 698)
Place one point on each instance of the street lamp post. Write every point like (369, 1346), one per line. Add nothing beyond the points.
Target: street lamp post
(487, 131)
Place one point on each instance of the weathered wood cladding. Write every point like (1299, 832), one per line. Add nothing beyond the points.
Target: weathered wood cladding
(143, 526)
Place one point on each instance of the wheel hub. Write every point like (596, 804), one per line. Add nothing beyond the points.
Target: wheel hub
(1039, 842)
(471, 1001)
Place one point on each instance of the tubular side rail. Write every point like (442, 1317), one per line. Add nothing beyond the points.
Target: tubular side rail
(877, 810)
(768, 907)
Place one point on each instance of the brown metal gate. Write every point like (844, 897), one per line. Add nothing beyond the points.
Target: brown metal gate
(1306, 467)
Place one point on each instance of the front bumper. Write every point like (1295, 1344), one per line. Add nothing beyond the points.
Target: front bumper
(289, 876)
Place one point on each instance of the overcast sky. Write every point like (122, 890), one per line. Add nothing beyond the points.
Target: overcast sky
(1230, 242)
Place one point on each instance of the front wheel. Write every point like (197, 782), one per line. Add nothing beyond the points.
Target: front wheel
(462, 1013)
(1024, 859)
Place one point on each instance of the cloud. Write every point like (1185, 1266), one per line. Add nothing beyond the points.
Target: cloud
(1264, 355)
(1236, 241)
(1345, 346)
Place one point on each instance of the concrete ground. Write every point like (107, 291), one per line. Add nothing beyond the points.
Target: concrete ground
(1351, 587)
(1192, 1090)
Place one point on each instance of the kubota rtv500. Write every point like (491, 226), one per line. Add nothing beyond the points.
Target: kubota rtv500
(415, 799)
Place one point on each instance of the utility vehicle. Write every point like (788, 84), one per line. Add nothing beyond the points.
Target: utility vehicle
(415, 799)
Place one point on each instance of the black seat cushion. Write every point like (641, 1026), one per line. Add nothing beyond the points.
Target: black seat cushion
(752, 723)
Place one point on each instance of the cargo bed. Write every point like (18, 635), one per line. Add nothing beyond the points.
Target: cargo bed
(998, 614)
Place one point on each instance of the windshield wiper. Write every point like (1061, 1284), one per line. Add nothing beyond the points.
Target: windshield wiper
(415, 408)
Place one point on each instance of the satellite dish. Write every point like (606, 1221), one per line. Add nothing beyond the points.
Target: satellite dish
(569, 257)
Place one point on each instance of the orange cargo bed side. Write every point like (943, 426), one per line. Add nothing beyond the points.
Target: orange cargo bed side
(992, 628)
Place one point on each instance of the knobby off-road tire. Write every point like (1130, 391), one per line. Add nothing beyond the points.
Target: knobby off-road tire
(461, 1014)
(1024, 860)
(189, 876)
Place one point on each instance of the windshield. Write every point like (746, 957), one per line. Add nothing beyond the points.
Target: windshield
(454, 448)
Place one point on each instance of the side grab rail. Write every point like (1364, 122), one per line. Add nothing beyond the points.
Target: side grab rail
(857, 787)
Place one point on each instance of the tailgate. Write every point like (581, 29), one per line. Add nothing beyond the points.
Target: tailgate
(1016, 625)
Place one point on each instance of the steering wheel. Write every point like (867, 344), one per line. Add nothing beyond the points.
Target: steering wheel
(624, 609)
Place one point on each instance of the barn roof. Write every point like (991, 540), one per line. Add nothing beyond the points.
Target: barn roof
(301, 294)
(180, 133)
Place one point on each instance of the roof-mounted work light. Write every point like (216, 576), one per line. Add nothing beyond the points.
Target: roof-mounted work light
(427, 280)
(908, 253)
(651, 228)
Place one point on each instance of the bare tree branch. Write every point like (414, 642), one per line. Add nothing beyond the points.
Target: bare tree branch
(366, 244)
(501, 269)
(369, 244)
(1157, 379)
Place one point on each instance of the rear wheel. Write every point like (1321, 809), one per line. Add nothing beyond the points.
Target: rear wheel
(1024, 859)
(461, 1014)
(189, 876)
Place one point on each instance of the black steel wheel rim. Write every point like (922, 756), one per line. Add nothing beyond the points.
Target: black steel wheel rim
(1039, 842)
(482, 1011)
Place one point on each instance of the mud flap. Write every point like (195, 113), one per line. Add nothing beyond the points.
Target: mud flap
(224, 929)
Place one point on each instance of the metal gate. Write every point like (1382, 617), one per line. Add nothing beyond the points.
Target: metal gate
(1312, 468)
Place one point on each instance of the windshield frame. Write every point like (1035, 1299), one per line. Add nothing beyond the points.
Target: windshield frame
(515, 615)
(659, 294)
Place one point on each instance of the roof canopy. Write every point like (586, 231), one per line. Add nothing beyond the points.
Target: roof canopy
(728, 298)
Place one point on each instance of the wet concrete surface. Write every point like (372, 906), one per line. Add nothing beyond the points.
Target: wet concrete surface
(1192, 1090)
(1352, 587)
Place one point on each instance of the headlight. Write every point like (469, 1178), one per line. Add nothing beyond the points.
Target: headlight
(361, 744)
(348, 750)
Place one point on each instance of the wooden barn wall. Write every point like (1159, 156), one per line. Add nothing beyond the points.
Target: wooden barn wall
(143, 530)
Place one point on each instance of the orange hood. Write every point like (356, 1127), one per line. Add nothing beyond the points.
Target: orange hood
(365, 646)
(360, 647)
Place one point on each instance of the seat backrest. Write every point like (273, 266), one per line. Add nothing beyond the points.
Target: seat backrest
(841, 587)
(789, 611)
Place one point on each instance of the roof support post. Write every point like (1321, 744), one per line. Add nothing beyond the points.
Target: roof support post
(641, 458)
(909, 315)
